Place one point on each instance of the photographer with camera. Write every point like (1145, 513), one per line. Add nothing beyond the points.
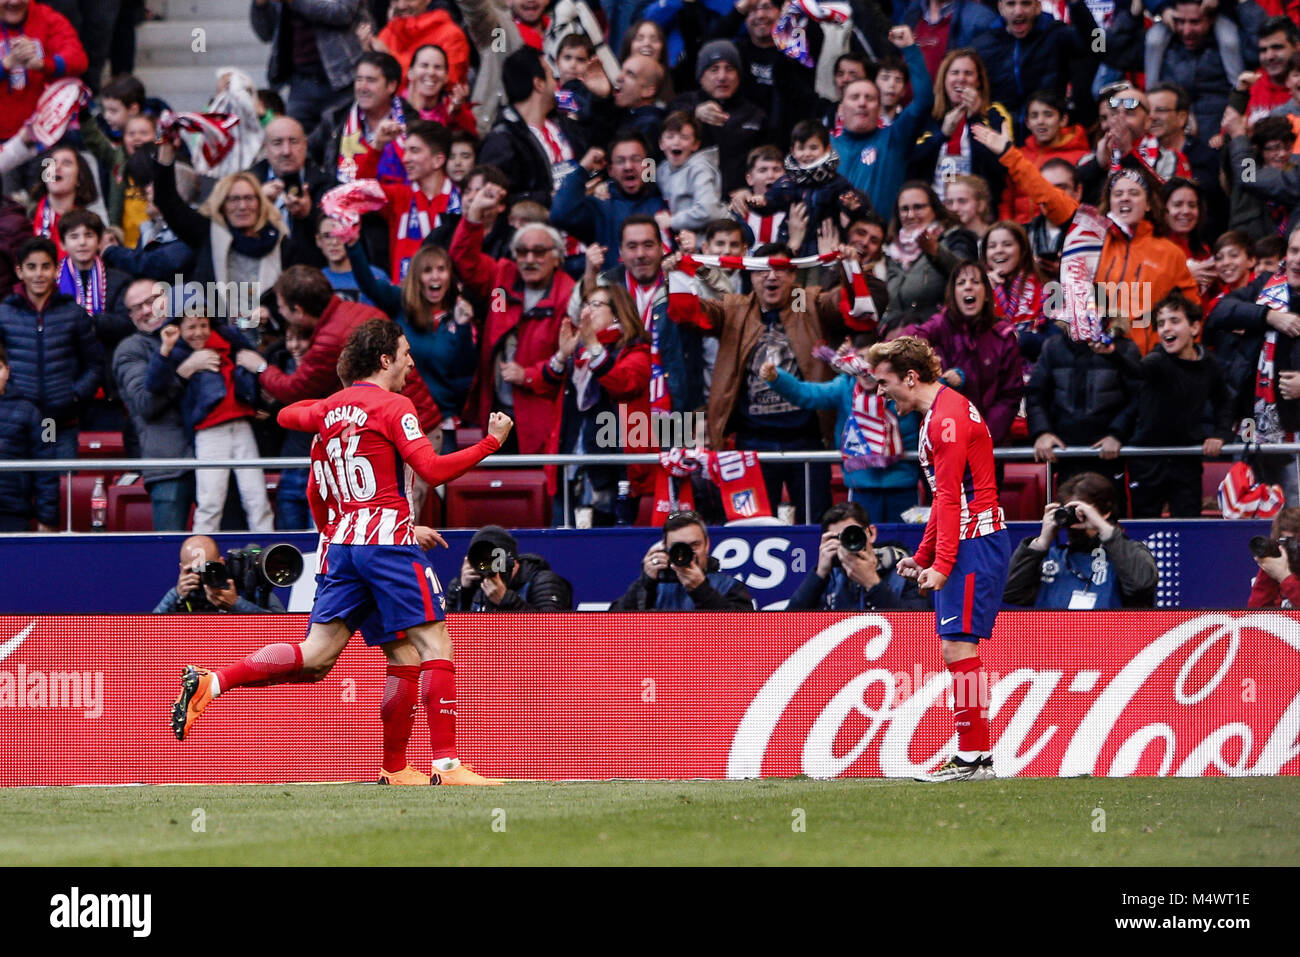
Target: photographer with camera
(239, 585)
(679, 574)
(1099, 566)
(1276, 585)
(495, 577)
(853, 573)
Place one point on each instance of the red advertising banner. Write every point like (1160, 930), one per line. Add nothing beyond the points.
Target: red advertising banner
(86, 700)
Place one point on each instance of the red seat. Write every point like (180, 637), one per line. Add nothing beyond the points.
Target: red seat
(839, 491)
(130, 508)
(82, 486)
(431, 513)
(1212, 474)
(1024, 491)
(512, 498)
(100, 445)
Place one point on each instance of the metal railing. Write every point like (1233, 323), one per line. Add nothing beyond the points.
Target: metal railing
(1017, 454)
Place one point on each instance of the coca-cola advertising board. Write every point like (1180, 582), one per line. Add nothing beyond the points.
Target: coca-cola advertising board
(86, 700)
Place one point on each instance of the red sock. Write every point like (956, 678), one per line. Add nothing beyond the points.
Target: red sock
(970, 704)
(269, 665)
(401, 696)
(438, 694)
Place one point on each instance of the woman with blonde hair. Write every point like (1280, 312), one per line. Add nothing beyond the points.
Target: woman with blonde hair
(945, 148)
(603, 367)
(236, 235)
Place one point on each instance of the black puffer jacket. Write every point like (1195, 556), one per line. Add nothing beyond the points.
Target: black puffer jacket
(20, 438)
(1082, 396)
(1042, 60)
(534, 587)
(513, 149)
(1235, 331)
(55, 360)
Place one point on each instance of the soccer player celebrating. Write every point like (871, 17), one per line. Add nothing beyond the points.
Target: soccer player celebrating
(966, 550)
(369, 431)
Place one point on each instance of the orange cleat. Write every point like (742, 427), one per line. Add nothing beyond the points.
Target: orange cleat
(408, 775)
(463, 774)
(195, 696)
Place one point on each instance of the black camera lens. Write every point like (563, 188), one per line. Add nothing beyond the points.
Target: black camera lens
(1066, 516)
(853, 538)
(281, 564)
(215, 574)
(680, 554)
(1262, 547)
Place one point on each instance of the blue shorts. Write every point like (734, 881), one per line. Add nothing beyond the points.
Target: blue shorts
(395, 581)
(967, 605)
(371, 627)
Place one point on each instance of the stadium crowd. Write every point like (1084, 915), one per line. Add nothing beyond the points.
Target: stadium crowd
(552, 201)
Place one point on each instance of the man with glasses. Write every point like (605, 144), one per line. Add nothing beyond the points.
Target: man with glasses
(528, 297)
(679, 574)
(1125, 121)
(157, 418)
(630, 190)
(1170, 111)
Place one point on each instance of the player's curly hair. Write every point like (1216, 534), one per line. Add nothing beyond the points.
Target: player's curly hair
(907, 354)
(368, 343)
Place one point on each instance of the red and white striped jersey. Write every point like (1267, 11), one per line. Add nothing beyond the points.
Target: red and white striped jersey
(366, 433)
(956, 453)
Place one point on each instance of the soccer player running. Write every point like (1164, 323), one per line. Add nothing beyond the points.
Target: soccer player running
(369, 431)
(966, 551)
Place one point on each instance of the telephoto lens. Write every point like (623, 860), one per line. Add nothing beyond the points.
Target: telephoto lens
(853, 538)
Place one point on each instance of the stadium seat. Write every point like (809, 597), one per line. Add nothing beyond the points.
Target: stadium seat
(512, 498)
(82, 486)
(431, 513)
(100, 445)
(1023, 492)
(130, 508)
(1212, 473)
(839, 491)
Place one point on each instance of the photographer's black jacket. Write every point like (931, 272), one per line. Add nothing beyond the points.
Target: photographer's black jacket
(837, 592)
(196, 602)
(534, 587)
(720, 592)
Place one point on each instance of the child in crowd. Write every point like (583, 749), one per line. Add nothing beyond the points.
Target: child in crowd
(689, 178)
(1234, 266)
(583, 94)
(891, 81)
(463, 156)
(1269, 253)
(82, 275)
(811, 179)
(218, 404)
(23, 494)
(1184, 401)
(338, 268)
(763, 167)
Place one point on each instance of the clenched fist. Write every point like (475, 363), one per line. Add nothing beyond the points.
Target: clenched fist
(499, 425)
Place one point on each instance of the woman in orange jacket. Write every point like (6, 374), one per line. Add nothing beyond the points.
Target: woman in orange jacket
(1138, 266)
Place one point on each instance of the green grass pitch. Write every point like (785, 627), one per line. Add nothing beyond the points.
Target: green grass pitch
(1147, 821)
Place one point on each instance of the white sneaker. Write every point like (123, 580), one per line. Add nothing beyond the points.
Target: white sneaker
(955, 769)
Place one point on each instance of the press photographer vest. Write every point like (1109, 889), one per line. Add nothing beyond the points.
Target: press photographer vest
(1065, 573)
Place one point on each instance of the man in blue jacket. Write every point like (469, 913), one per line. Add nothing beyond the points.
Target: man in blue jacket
(846, 579)
(55, 360)
(595, 217)
(874, 160)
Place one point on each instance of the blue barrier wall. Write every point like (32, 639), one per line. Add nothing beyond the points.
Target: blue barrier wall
(1203, 563)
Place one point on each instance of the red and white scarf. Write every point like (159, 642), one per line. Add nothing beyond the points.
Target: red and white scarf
(90, 296)
(1276, 294)
(213, 133)
(767, 228)
(1079, 258)
(1020, 300)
